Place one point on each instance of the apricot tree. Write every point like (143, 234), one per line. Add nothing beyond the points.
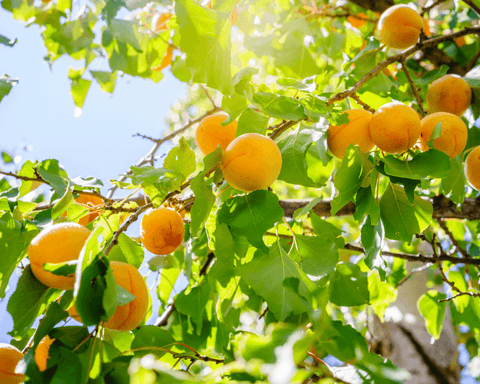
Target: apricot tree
(286, 261)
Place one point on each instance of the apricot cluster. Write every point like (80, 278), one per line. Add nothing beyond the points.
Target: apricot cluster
(130, 315)
(249, 162)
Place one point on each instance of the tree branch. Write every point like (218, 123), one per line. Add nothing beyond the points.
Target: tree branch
(413, 87)
(473, 6)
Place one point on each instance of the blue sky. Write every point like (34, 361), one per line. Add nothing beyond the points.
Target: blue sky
(39, 112)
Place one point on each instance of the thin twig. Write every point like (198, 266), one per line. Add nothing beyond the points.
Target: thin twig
(430, 7)
(472, 294)
(282, 128)
(145, 137)
(413, 271)
(413, 87)
(364, 105)
(454, 241)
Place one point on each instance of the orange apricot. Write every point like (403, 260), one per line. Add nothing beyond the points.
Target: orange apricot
(472, 168)
(42, 353)
(92, 202)
(211, 133)
(358, 20)
(56, 244)
(161, 230)
(128, 316)
(449, 93)
(395, 127)
(460, 41)
(251, 162)
(356, 131)
(166, 61)
(426, 28)
(234, 15)
(9, 358)
(400, 26)
(453, 138)
(159, 21)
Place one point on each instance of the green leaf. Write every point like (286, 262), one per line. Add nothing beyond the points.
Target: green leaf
(433, 311)
(107, 80)
(366, 204)
(251, 121)
(373, 237)
(6, 85)
(61, 206)
(381, 295)
(28, 301)
(51, 172)
(6, 41)
(194, 304)
(96, 295)
(251, 215)
(205, 37)
(281, 107)
(266, 273)
(307, 209)
(204, 197)
(123, 296)
(64, 5)
(223, 269)
(154, 337)
(14, 241)
(54, 315)
(181, 159)
(307, 85)
(454, 182)
(461, 302)
(348, 286)
(432, 163)
(317, 255)
(79, 90)
(128, 251)
(126, 31)
(348, 178)
(401, 219)
(61, 269)
(295, 57)
(294, 150)
(234, 106)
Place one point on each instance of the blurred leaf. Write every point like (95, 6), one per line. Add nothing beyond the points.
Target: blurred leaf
(251, 215)
(433, 312)
(348, 286)
(461, 302)
(205, 37)
(454, 182)
(223, 269)
(381, 295)
(51, 172)
(107, 80)
(79, 91)
(6, 41)
(373, 238)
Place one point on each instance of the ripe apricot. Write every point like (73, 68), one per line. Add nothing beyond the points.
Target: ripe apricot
(234, 15)
(56, 244)
(395, 127)
(42, 353)
(449, 93)
(453, 138)
(9, 358)
(400, 26)
(251, 162)
(159, 21)
(211, 133)
(130, 315)
(161, 230)
(472, 168)
(358, 20)
(90, 201)
(356, 131)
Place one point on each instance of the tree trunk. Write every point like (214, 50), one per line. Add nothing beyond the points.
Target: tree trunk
(405, 341)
